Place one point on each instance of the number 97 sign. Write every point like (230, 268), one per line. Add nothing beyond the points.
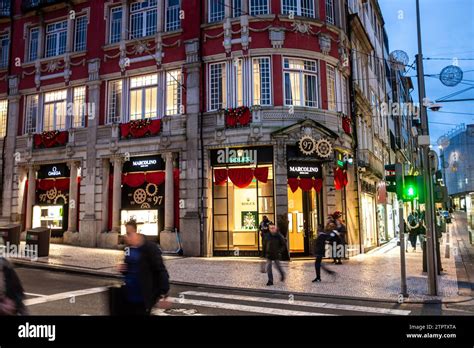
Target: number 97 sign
(307, 145)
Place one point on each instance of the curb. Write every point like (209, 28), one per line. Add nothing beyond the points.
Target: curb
(89, 272)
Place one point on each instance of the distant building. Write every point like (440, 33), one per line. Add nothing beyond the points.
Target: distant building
(458, 168)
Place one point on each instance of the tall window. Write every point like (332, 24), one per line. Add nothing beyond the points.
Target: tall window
(261, 81)
(144, 97)
(173, 92)
(299, 7)
(31, 119)
(331, 82)
(301, 84)
(216, 10)
(114, 114)
(55, 104)
(143, 18)
(4, 48)
(56, 35)
(115, 24)
(237, 8)
(330, 18)
(173, 22)
(345, 100)
(259, 7)
(80, 36)
(239, 76)
(3, 117)
(33, 44)
(80, 107)
(217, 86)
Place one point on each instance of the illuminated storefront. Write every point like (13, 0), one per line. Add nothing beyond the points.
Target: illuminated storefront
(242, 194)
(369, 211)
(52, 198)
(143, 194)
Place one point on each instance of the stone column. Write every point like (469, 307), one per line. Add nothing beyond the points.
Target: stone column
(73, 204)
(22, 178)
(30, 200)
(167, 236)
(117, 193)
(90, 226)
(169, 193)
(9, 145)
(125, 17)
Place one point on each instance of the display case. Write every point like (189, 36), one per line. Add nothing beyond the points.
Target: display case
(50, 216)
(147, 221)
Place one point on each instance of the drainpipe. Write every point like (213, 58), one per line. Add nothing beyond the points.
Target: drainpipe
(355, 143)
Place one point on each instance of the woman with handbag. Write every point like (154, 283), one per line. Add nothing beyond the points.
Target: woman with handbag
(11, 291)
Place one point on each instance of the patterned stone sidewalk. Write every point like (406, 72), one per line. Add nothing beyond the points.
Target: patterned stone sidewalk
(373, 275)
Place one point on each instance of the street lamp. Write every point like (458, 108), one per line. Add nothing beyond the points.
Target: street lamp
(424, 142)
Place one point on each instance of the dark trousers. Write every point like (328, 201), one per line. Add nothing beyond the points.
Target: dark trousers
(134, 309)
(270, 269)
(317, 266)
(412, 239)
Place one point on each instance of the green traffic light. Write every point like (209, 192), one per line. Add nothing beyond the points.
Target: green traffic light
(411, 191)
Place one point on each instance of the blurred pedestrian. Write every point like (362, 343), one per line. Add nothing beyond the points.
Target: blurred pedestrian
(264, 232)
(274, 248)
(413, 227)
(342, 230)
(145, 275)
(325, 236)
(11, 291)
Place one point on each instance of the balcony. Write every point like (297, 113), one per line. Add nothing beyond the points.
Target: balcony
(5, 8)
(373, 165)
(29, 5)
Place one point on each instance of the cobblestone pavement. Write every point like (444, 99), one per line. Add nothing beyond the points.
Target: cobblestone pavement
(375, 275)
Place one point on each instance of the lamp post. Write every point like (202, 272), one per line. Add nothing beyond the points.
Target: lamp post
(424, 142)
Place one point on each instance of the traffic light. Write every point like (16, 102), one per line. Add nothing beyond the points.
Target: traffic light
(394, 178)
(410, 188)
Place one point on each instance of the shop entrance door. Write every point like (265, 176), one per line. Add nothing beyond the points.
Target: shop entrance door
(303, 220)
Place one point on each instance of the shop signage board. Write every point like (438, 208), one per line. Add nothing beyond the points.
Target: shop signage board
(304, 169)
(51, 171)
(144, 164)
(146, 196)
(242, 156)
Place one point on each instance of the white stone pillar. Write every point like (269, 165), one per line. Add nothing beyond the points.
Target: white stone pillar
(117, 193)
(169, 193)
(125, 18)
(30, 200)
(73, 203)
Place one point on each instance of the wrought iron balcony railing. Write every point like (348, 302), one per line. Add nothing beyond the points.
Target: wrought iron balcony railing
(5, 8)
(28, 5)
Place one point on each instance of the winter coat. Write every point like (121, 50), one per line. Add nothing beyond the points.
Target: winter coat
(152, 274)
(323, 239)
(274, 247)
(10, 286)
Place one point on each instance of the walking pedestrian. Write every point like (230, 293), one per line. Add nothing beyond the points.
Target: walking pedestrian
(413, 228)
(11, 291)
(146, 277)
(324, 237)
(342, 230)
(275, 246)
(264, 232)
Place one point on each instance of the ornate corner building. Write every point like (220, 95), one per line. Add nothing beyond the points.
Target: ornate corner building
(190, 116)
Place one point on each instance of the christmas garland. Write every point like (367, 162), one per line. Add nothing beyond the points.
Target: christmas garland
(235, 117)
(346, 125)
(140, 128)
(49, 139)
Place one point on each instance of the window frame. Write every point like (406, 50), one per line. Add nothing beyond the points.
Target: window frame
(3, 117)
(167, 26)
(27, 129)
(299, 8)
(214, 18)
(57, 33)
(143, 89)
(76, 32)
(29, 49)
(270, 76)
(144, 19)
(113, 10)
(179, 93)
(302, 74)
(329, 4)
(254, 12)
(334, 84)
(5, 37)
(55, 114)
(223, 84)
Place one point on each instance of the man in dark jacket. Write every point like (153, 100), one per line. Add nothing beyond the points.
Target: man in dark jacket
(274, 248)
(11, 291)
(327, 236)
(146, 277)
(264, 231)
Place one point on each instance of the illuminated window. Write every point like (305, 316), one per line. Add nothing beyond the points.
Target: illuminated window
(114, 114)
(217, 86)
(55, 110)
(3, 117)
(301, 85)
(79, 107)
(31, 120)
(173, 92)
(331, 82)
(144, 97)
(261, 81)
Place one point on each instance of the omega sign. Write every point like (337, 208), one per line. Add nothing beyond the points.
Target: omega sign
(54, 172)
(227, 155)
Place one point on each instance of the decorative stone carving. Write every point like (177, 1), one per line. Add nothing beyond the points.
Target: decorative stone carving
(244, 33)
(192, 50)
(325, 43)
(277, 36)
(220, 135)
(93, 68)
(158, 50)
(302, 27)
(227, 36)
(255, 132)
(13, 82)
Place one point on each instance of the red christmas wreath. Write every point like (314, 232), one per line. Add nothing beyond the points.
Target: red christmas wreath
(240, 116)
(49, 139)
(140, 128)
